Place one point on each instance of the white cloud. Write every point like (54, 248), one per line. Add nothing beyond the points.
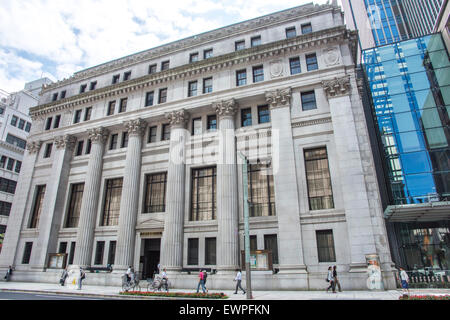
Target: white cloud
(75, 34)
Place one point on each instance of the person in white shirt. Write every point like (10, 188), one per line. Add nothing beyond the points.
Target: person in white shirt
(405, 280)
(238, 280)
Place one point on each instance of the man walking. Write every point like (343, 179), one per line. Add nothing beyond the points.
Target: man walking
(335, 279)
(82, 276)
(238, 280)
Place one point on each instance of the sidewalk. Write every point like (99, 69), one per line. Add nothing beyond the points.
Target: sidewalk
(113, 292)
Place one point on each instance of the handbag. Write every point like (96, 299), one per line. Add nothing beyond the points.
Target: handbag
(327, 280)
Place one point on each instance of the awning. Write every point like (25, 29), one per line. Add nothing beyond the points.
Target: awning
(432, 211)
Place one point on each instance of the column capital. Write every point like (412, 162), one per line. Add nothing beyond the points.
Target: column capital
(227, 108)
(337, 87)
(98, 135)
(34, 146)
(279, 98)
(65, 141)
(135, 126)
(177, 119)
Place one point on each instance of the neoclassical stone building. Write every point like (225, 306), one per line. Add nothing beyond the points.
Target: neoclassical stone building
(140, 162)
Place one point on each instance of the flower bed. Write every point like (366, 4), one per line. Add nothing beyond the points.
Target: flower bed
(220, 295)
(425, 297)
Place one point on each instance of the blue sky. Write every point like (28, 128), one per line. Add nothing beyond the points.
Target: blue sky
(54, 38)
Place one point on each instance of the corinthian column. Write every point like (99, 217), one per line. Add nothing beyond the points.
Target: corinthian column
(227, 197)
(172, 240)
(88, 213)
(53, 205)
(130, 195)
(290, 251)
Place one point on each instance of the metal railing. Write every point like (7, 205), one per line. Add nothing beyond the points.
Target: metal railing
(427, 279)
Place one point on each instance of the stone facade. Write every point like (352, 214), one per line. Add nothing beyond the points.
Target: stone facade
(209, 126)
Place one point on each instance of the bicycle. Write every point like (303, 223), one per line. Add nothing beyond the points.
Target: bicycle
(130, 285)
(157, 283)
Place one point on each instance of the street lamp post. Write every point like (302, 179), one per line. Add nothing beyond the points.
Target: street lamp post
(246, 227)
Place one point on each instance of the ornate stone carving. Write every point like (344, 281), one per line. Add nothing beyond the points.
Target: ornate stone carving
(66, 141)
(331, 56)
(226, 108)
(135, 126)
(336, 87)
(34, 146)
(177, 118)
(99, 135)
(276, 68)
(279, 97)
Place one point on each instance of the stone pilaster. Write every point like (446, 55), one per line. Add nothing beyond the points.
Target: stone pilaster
(130, 195)
(285, 180)
(91, 196)
(22, 200)
(227, 189)
(172, 239)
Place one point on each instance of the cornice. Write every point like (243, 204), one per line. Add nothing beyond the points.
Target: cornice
(273, 49)
(203, 38)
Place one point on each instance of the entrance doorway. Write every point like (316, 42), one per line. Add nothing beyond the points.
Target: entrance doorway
(152, 249)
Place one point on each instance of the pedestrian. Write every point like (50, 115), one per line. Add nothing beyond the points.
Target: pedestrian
(201, 281)
(335, 279)
(330, 279)
(64, 275)
(8, 273)
(405, 281)
(205, 275)
(128, 274)
(238, 280)
(159, 267)
(82, 276)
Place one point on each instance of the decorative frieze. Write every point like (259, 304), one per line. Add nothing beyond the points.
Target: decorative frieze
(177, 118)
(66, 141)
(336, 87)
(226, 108)
(135, 126)
(279, 98)
(34, 146)
(98, 135)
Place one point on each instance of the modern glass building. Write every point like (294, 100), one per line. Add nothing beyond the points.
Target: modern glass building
(409, 82)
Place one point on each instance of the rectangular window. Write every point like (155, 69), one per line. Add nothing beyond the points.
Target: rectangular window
(192, 88)
(152, 68)
(77, 116)
(112, 252)
(10, 164)
(21, 124)
(28, 127)
(111, 206)
(149, 98)
(113, 141)
(93, 85)
(3, 161)
(76, 196)
(207, 85)
(253, 243)
(320, 193)
(127, 76)
(14, 121)
(7, 185)
(246, 117)
(5, 208)
(290, 32)
(192, 252)
(111, 108)
(15, 141)
(124, 142)
(62, 247)
(165, 132)
(18, 166)
(212, 123)
(165, 65)
(271, 243)
(294, 64)
(261, 190)
(99, 252)
(88, 146)
(152, 134)
(306, 28)
(72, 252)
(196, 126)
(255, 41)
(193, 57)
(258, 74)
(57, 121)
(203, 195)
(55, 96)
(239, 45)
(263, 114)
(155, 192)
(311, 62)
(207, 53)
(37, 206)
(87, 113)
(308, 100)
(241, 77)
(83, 88)
(162, 95)
(123, 105)
(48, 150)
(115, 78)
(325, 246)
(79, 150)
(27, 253)
(48, 123)
(210, 251)
(63, 94)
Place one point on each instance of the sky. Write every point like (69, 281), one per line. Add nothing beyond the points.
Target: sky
(54, 38)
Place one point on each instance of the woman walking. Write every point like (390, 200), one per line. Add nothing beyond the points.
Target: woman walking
(330, 279)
